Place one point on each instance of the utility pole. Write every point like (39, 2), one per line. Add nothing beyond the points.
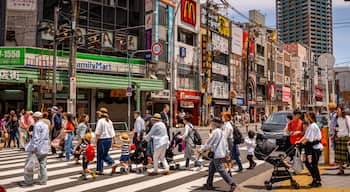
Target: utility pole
(54, 86)
(71, 104)
(207, 70)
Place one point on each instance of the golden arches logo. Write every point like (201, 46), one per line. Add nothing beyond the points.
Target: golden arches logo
(188, 10)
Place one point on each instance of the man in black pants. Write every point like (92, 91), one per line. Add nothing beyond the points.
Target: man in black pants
(165, 118)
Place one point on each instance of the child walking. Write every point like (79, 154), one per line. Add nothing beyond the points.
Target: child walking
(250, 142)
(125, 153)
(88, 154)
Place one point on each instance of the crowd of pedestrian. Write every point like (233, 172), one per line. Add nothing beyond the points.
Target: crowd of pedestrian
(37, 132)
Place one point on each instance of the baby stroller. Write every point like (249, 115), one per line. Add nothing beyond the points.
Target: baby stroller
(169, 154)
(138, 157)
(264, 151)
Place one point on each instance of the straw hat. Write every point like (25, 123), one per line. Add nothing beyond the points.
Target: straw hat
(332, 105)
(38, 114)
(157, 117)
(88, 136)
(103, 110)
(124, 137)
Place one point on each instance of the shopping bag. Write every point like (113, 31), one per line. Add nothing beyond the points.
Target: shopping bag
(32, 165)
(298, 165)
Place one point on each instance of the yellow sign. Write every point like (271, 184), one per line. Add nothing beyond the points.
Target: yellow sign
(209, 99)
(224, 26)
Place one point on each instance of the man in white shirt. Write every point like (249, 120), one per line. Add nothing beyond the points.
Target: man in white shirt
(139, 127)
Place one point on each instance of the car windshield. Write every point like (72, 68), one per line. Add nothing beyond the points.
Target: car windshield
(277, 118)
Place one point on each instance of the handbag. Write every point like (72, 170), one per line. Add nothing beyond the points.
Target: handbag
(32, 165)
(298, 165)
(211, 153)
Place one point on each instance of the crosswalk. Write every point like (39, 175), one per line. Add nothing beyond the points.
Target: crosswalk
(64, 177)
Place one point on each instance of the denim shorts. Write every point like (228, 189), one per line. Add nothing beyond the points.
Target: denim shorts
(124, 158)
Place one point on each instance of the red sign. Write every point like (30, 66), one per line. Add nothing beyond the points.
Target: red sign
(286, 94)
(156, 49)
(271, 91)
(245, 45)
(318, 92)
(188, 11)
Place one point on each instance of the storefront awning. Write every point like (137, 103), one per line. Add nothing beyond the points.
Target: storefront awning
(84, 80)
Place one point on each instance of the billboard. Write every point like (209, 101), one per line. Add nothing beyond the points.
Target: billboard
(237, 40)
(220, 90)
(188, 12)
(286, 95)
(22, 5)
(245, 45)
(224, 26)
(220, 43)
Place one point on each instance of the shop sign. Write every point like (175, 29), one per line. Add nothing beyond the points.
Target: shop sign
(240, 101)
(148, 21)
(186, 104)
(148, 42)
(46, 61)
(9, 75)
(22, 5)
(245, 45)
(11, 56)
(220, 43)
(182, 51)
(318, 92)
(165, 94)
(237, 40)
(224, 26)
(148, 5)
(220, 69)
(220, 90)
(286, 95)
(259, 98)
(188, 11)
(169, 2)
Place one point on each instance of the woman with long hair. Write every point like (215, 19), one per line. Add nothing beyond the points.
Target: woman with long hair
(342, 139)
(68, 143)
(313, 148)
(82, 125)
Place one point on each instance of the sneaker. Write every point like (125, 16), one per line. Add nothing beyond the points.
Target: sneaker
(24, 184)
(316, 185)
(83, 177)
(233, 188)
(208, 187)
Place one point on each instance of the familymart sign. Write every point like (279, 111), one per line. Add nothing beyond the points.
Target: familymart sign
(43, 58)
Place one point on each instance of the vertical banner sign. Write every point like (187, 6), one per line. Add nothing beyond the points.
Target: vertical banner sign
(170, 33)
(148, 44)
(188, 11)
(148, 5)
(156, 36)
(245, 45)
(204, 52)
(224, 26)
(148, 21)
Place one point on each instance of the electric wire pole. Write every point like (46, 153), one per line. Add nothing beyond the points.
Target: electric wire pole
(54, 86)
(71, 104)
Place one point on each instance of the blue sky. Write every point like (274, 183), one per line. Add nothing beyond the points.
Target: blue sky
(341, 13)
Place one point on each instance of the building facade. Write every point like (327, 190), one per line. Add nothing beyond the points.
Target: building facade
(107, 32)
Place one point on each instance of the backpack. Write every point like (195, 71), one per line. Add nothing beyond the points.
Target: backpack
(237, 135)
(57, 120)
(197, 140)
(90, 153)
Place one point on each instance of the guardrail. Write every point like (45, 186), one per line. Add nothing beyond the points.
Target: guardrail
(118, 126)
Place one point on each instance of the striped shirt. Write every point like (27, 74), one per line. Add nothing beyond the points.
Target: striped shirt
(125, 148)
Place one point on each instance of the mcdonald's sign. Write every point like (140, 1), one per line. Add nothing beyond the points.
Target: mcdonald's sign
(188, 11)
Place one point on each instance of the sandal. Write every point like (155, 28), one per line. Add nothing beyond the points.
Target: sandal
(114, 167)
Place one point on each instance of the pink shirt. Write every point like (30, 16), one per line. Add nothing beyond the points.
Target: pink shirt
(26, 122)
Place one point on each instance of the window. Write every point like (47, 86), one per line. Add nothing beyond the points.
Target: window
(186, 37)
(286, 71)
(260, 70)
(260, 50)
(163, 17)
(280, 68)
